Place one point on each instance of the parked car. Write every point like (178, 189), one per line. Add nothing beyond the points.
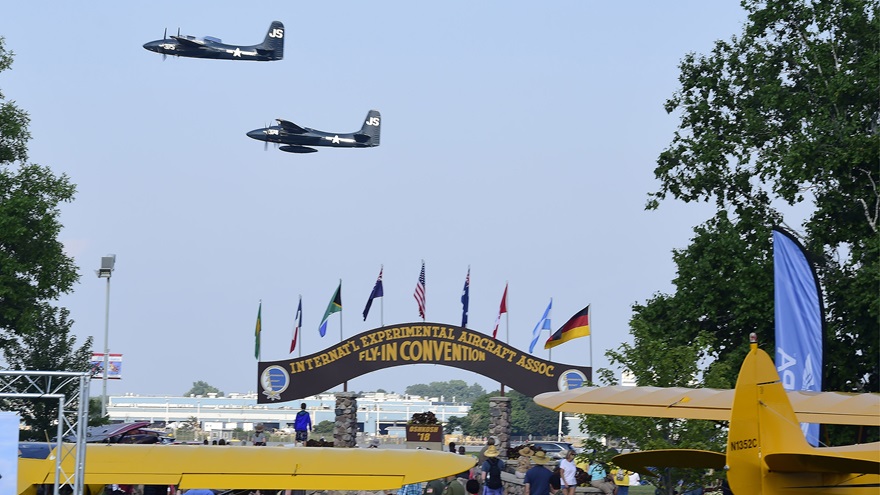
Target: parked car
(553, 449)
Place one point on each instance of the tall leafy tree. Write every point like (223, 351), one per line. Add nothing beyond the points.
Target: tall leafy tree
(784, 115)
(46, 344)
(33, 266)
(34, 270)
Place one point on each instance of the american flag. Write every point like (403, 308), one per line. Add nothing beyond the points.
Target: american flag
(420, 292)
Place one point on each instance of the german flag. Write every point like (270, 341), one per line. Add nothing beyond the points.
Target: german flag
(577, 326)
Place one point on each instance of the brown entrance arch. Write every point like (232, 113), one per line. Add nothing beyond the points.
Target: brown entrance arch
(414, 343)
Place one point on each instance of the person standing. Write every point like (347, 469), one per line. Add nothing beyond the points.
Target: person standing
(569, 481)
(453, 486)
(621, 479)
(259, 436)
(492, 468)
(435, 487)
(537, 479)
(302, 424)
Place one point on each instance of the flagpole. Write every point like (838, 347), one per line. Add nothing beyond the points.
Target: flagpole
(300, 336)
(345, 383)
(382, 303)
(590, 321)
(340, 311)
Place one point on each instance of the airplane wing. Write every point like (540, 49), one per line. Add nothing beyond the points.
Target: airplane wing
(246, 467)
(642, 462)
(291, 127)
(191, 42)
(711, 404)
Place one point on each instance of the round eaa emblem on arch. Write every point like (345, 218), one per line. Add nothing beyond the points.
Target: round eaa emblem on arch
(274, 380)
(571, 379)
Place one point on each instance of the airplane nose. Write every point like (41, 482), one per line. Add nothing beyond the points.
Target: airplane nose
(153, 46)
(257, 134)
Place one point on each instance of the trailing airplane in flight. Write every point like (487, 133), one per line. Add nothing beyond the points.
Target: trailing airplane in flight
(297, 139)
(767, 453)
(272, 47)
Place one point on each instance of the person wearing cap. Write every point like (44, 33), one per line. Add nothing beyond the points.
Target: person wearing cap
(491, 454)
(537, 478)
(259, 436)
(374, 444)
(523, 462)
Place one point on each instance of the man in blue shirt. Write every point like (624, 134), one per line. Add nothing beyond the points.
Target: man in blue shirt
(302, 424)
(537, 480)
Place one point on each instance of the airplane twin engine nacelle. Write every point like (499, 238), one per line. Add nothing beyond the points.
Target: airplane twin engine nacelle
(297, 149)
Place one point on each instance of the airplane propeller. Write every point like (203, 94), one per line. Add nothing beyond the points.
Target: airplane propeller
(266, 143)
(165, 34)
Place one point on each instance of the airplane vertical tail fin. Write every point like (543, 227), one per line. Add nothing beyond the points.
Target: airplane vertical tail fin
(274, 40)
(762, 421)
(372, 127)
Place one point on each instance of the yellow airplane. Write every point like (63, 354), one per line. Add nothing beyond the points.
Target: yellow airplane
(767, 453)
(228, 467)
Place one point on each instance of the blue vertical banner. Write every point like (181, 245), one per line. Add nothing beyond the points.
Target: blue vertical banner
(799, 320)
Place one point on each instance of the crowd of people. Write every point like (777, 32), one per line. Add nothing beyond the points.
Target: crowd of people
(535, 468)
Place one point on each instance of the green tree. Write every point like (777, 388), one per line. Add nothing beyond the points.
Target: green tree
(33, 266)
(45, 344)
(655, 363)
(203, 388)
(526, 417)
(324, 427)
(783, 116)
(453, 389)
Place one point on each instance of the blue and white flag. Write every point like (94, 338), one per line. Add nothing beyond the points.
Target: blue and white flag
(544, 324)
(799, 320)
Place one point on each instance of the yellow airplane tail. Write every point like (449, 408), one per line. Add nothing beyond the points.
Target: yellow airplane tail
(765, 437)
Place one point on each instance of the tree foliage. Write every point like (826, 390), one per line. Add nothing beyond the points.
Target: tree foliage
(457, 390)
(34, 271)
(33, 266)
(45, 344)
(784, 116)
(526, 417)
(203, 388)
(324, 427)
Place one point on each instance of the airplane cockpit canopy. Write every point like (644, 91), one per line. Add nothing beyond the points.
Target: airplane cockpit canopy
(213, 39)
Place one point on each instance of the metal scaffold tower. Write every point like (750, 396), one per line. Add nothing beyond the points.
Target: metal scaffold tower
(71, 389)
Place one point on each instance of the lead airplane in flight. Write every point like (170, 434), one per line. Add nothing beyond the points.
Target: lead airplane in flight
(767, 453)
(272, 47)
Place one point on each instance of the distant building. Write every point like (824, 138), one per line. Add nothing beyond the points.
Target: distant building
(376, 411)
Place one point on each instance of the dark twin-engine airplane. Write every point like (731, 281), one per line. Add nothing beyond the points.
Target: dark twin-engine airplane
(297, 139)
(272, 47)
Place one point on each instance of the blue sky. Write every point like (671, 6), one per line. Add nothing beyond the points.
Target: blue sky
(518, 138)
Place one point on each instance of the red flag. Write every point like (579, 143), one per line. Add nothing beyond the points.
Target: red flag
(501, 311)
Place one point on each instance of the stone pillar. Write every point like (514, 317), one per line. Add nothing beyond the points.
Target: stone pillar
(345, 429)
(499, 423)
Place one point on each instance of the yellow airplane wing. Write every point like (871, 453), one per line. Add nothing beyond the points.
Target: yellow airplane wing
(266, 468)
(712, 404)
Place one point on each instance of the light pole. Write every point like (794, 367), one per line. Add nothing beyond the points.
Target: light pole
(107, 264)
